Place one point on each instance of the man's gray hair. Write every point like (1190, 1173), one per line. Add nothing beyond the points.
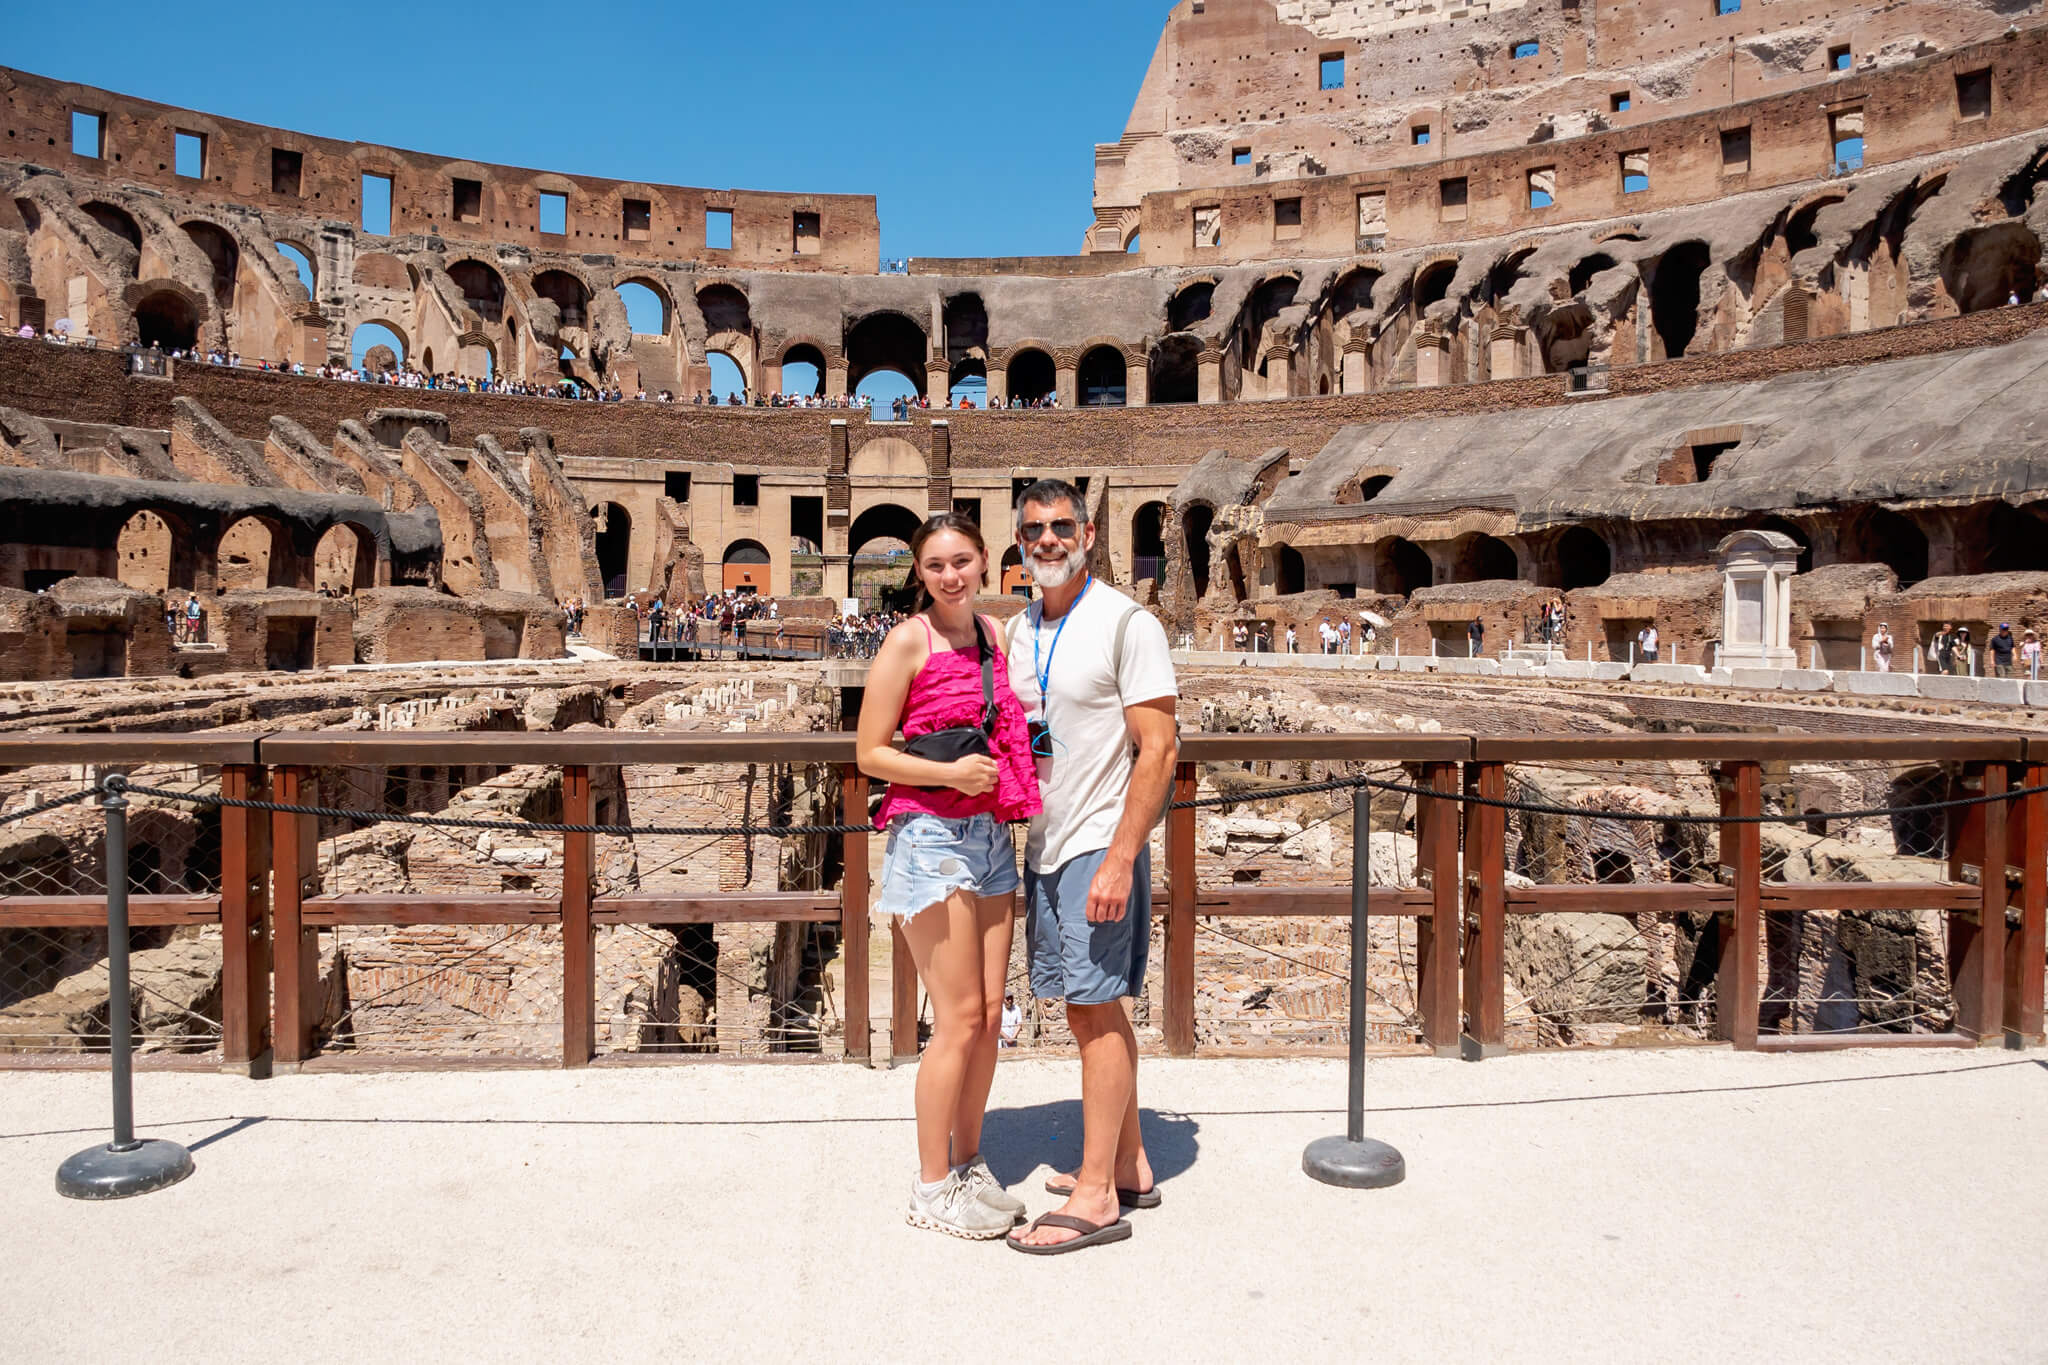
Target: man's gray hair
(1050, 493)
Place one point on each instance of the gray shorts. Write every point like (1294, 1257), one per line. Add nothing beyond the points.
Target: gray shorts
(1071, 959)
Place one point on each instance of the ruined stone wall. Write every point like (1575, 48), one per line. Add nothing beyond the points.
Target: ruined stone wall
(1235, 111)
(242, 164)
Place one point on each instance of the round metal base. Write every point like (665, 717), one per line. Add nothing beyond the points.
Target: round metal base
(1366, 1165)
(104, 1173)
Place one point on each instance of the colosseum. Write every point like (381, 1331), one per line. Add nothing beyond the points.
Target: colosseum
(1496, 340)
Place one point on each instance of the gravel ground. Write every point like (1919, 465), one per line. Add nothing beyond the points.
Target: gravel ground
(1621, 1206)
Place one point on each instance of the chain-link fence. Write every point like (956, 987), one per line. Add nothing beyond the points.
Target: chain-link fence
(54, 991)
(679, 986)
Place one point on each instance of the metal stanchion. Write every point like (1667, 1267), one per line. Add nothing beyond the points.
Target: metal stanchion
(1356, 1161)
(124, 1166)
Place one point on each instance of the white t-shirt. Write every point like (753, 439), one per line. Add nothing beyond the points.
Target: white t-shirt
(1086, 779)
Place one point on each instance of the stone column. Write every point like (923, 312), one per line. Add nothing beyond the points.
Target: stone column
(771, 378)
(1137, 379)
(1757, 568)
(938, 381)
(1210, 381)
(1504, 360)
(998, 384)
(835, 377)
(838, 576)
(1279, 372)
(1432, 361)
(1064, 379)
(1355, 380)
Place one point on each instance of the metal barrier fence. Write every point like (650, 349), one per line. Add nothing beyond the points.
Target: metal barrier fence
(335, 897)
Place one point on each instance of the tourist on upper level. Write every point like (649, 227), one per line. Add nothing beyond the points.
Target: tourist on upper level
(1882, 646)
(1101, 711)
(949, 871)
(1475, 639)
(2030, 655)
(2002, 646)
(1646, 643)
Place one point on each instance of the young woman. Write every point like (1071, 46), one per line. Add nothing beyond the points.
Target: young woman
(950, 871)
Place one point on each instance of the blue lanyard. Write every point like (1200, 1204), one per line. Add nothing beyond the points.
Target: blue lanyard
(1044, 669)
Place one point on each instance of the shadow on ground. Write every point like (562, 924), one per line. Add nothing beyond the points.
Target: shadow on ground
(1015, 1141)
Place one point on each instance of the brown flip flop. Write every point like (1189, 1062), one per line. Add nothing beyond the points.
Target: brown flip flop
(1130, 1199)
(1092, 1234)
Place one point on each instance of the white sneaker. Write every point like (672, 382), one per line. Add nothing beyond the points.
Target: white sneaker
(952, 1208)
(983, 1183)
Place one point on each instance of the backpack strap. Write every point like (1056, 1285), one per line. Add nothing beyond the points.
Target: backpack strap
(1116, 649)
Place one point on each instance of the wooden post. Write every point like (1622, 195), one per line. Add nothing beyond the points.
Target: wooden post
(1438, 937)
(902, 997)
(1976, 939)
(2026, 951)
(579, 943)
(854, 949)
(244, 920)
(1486, 835)
(295, 875)
(1737, 986)
(1179, 985)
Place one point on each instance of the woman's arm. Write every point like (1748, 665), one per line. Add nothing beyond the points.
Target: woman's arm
(881, 708)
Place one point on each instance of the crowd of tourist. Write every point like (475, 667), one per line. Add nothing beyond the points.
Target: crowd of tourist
(855, 636)
(720, 618)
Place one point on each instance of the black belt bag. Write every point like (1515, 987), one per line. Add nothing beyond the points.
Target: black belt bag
(961, 741)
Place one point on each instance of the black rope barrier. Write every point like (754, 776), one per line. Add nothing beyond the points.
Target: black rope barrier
(73, 799)
(361, 817)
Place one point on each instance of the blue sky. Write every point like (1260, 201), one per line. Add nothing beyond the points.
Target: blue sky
(972, 125)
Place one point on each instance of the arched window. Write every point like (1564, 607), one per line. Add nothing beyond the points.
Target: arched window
(646, 310)
(1100, 378)
(1031, 375)
(372, 338)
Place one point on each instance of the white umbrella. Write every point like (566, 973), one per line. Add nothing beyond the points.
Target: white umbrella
(1374, 619)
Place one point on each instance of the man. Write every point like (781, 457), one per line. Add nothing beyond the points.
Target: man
(2002, 645)
(1475, 639)
(193, 614)
(1882, 646)
(1647, 639)
(1942, 649)
(1013, 1020)
(1088, 873)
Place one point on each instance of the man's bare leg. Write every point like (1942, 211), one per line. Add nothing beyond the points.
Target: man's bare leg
(1133, 1168)
(1109, 1077)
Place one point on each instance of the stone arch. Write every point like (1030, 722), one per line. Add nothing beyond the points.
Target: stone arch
(1353, 291)
(1585, 268)
(305, 263)
(114, 219)
(256, 551)
(1148, 542)
(2014, 540)
(1400, 567)
(1583, 559)
(804, 352)
(1101, 377)
(1882, 536)
(1191, 303)
(153, 551)
(221, 249)
(1799, 234)
(1480, 558)
(1029, 374)
(483, 288)
(567, 291)
(1675, 296)
(404, 343)
(882, 521)
(1196, 522)
(1290, 571)
(614, 544)
(1431, 283)
(658, 293)
(346, 557)
(726, 310)
(745, 567)
(380, 270)
(1984, 267)
(1174, 370)
(1507, 271)
(890, 341)
(167, 314)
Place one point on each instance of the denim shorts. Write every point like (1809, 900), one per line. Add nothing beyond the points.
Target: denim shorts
(1074, 960)
(929, 858)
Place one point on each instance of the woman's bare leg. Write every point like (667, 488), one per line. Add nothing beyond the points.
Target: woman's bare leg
(993, 915)
(945, 943)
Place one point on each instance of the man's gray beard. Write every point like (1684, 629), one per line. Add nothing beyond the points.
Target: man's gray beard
(1053, 575)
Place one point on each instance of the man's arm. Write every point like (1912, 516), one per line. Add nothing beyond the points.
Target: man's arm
(1152, 725)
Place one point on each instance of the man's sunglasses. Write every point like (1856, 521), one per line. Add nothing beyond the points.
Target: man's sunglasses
(1066, 528)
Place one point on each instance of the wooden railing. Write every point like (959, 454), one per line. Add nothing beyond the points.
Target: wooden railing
(271, 905)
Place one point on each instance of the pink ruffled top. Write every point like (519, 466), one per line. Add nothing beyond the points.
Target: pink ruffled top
(947, 692)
